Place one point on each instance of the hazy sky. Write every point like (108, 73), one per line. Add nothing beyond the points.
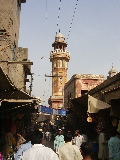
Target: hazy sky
(93, 41)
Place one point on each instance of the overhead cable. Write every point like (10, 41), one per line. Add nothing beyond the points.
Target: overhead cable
(46, 10)
(58, 17)
(72, 20)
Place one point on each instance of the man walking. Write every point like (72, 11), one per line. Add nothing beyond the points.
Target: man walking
(69, 151)
(38, 151)
(78, 139)
(59, 140)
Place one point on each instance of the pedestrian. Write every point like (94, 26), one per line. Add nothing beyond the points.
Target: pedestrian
(59, 140)
(10, 142)
(69, 151)
(47, 135)
(85, 137)
(103, 147)
(43, 134)
(25, 146)
(78, 139)
(86, 151)
(38, 151)
(114, 146)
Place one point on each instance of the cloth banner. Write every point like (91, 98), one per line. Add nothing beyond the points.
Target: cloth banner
(43, 109)
(52, 111)
(94, 105)
(62, 112)
(48, 110)
(55, 112)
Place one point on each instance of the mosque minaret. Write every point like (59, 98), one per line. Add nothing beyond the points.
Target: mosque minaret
(59, 58)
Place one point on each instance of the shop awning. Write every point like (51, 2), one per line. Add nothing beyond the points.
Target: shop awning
(12, 98)
(91, 104)
(94, 105)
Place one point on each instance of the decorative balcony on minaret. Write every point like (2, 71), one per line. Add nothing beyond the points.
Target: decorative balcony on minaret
(59, 58)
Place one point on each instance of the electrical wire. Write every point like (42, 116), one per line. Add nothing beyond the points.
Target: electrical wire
(72, 20)
(58, 17)
(46, 10)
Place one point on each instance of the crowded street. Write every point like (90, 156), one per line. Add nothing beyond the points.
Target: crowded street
(59, 80)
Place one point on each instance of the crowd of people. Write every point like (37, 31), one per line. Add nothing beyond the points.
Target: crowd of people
(68, 145)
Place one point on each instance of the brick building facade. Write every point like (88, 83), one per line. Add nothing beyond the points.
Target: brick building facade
(80, 84)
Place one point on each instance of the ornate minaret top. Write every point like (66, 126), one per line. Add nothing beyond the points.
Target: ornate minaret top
(59, 58)
(112, 72)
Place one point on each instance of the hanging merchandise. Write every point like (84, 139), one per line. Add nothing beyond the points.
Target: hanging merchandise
(114, 122)
(89, 118)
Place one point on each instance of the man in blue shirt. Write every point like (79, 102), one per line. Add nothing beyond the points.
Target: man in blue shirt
(59, 140)
(23, 148)
(114, 146)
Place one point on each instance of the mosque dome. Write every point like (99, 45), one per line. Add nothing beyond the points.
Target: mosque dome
(60, 38)
(112, 72)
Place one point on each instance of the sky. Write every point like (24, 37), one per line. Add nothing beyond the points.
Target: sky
(93, 38)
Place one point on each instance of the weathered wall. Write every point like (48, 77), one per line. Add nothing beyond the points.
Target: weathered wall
(9, 21)
(22, 54)
(9, 34)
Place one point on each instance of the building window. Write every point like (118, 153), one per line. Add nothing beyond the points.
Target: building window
(58, 63)
(61, 63)
(60, 46)
(66, 64)
(54, 63)
(3, 34)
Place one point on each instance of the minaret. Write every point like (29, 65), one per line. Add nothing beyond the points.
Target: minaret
(59, 58)
(112, 72)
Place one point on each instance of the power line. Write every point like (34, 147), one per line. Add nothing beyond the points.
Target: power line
(46, 10)
(72, 19)
(58, 17)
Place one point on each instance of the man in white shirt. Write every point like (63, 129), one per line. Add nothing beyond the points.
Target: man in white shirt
(69, 151)
(38, 151)
(79, 139)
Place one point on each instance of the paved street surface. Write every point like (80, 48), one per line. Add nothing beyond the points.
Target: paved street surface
(48, 144)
